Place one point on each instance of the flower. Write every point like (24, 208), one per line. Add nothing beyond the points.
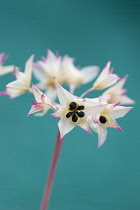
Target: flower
(106, 78)
(118, 93)
(22, 82)
(5, 69)
(42, 103)
(75, 77)
(107, 119)
(47, 71)
(74, 111)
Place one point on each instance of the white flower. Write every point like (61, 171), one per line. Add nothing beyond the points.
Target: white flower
(22, 82)
(42, 103)
(74, 111)
(47, 72)
(106, 78)
(5, 69)
(107, 119)
(75, 77)
(118, 93)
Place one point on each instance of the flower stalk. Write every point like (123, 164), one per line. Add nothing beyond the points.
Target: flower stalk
(49, 183)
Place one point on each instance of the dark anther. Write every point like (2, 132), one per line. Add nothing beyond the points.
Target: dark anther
(69, 114)
(72, 105)
(80, 107)
(80, 114)
(74, 118)
(102, 119)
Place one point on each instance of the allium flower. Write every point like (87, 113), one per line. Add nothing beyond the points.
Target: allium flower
(106, 78)
(42, 103)
(5, 69)
(75, 77)
(118, 93)
(74, 111)
(47, 71)
(22, 82)
(107, 119)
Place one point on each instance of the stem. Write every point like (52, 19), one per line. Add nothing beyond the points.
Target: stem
(86, 92)
(3, 93)
(49, 183)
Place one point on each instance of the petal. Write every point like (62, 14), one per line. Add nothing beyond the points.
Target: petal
(89, 73)
(65, 126)
(85, 127)
(63, 95)
(102, 133)
(51, 93)
(116, 125)
(105, 71)
(125, 100)
(95, 109)
(37, 93)
(6, 69)
(119, 111)
(29, 67)
(3, 58)
(16, 88)
(34, 109)
(109, 80)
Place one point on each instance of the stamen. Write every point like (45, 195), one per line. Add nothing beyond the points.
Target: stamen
(80, 107)
(72, 105)
(80, 114)
(74, 118)
(69, 114)
(102, 119)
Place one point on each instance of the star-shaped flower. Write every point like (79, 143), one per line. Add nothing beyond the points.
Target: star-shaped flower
(47, 72)
(107, 119)
(22, 82)
(42, 103)
(106, 78)
(74, 111)
(117, 93)
(5, 69)
(75, 77)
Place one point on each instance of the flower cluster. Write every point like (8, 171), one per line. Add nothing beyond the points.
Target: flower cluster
(52, 72)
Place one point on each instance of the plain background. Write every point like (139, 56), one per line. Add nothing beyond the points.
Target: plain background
(93, 32)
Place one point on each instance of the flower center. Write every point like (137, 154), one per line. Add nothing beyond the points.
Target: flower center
(75, 111)
(102, 119)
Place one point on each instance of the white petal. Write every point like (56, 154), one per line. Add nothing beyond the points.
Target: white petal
(125, 100)
(37, 93)
(89, 73)
(51, 93)
(119, 111)
(85, 127)
(6, 69)
(65, 126)
(34, 109)
(16, 88)
(95, 109)
(29, 67)
(63, 95)
(102, 133)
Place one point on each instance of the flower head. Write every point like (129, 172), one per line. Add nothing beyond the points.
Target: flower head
(106, 78)
(5, 69)
(74, 111)
(47, 71)
(107, 119)
(75, 77)
(42, 103)
(118, 93)
(22, 82)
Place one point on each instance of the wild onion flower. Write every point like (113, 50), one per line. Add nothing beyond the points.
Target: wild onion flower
(88, 113)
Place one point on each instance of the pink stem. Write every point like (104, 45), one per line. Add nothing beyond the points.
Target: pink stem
(48, 187)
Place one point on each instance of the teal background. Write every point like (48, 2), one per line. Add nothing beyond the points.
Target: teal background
(87, 177)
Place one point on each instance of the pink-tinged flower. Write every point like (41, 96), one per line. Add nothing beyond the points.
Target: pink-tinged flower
(107, 119)
(118, 93)
(42, 103)
(5, 69)
(47, 72)
(106, 78)
(74, 111)
(75, 77)
(22, 82)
